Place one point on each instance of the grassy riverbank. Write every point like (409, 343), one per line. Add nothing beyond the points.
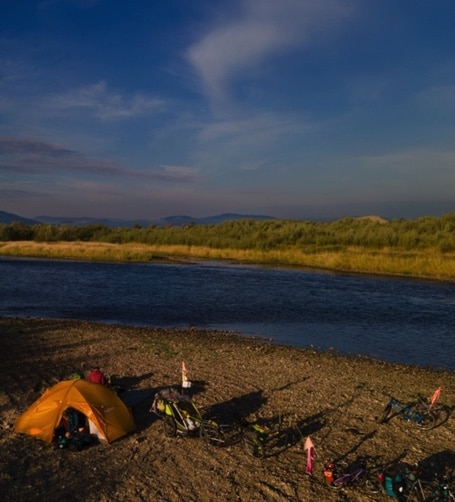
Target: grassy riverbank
(427, 263)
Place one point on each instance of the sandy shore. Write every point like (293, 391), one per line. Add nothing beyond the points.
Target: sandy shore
(333, 399)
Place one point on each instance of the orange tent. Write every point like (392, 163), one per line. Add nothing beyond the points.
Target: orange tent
(107, 412)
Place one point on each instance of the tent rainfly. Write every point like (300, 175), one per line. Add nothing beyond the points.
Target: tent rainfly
(106, 412)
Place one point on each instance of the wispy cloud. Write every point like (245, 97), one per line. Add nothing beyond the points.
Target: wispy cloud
(12, 145)
(261, 129)
(261, 30)
(27, 156)
(249, 143)
(105, 104)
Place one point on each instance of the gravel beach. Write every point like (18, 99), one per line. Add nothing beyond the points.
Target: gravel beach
(295, 392)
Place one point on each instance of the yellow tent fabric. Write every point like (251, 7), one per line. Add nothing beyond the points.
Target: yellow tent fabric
(101, 405)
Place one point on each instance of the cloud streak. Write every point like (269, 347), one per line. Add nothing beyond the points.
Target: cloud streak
(105, 104)
(27, 156)
(260, 31)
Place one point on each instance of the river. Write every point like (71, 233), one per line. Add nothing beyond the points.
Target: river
(396, 320)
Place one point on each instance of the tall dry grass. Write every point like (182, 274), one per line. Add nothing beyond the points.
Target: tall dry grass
(420, 264)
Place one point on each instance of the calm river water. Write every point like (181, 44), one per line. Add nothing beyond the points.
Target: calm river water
(396, 320)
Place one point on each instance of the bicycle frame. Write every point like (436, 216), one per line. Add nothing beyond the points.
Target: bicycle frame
(255, 439)
(351, 474)
(348, 478)
(215, 433)
(423, 418)
(406, 411)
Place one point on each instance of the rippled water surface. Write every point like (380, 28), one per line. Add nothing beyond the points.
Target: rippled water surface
(391, 319)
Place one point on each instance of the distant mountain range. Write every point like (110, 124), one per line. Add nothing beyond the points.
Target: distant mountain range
(10, 218)
(7, 218)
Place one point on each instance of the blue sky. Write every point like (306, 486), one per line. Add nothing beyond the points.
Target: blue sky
(301, 109)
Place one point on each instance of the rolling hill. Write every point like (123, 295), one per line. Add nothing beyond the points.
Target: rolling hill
(8, 218)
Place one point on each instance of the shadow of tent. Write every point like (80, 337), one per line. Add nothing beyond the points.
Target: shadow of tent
(132, 398)
(139, 402)
(128, 382)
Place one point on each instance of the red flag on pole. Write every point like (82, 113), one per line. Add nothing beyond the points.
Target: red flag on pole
(435, 397)
(309, 447)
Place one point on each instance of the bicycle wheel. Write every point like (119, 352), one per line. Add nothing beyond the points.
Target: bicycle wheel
(340, 482)
(169, 426)
(427, 422)
(441, 414)
(233, 433)
(373, 485)
(383, 417)
(419, 493)
(212, 434)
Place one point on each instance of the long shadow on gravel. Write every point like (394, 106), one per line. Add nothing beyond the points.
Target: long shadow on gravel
(238, 407)
(437, 465)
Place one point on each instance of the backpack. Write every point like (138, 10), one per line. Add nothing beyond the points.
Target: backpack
(394, 485)
(329, 472)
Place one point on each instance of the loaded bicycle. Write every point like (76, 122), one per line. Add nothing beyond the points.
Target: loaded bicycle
(338, 475)
(406, 484)
(181, 417)
(425, 415)
(422, 418)
(417, 489)
(270, 437)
